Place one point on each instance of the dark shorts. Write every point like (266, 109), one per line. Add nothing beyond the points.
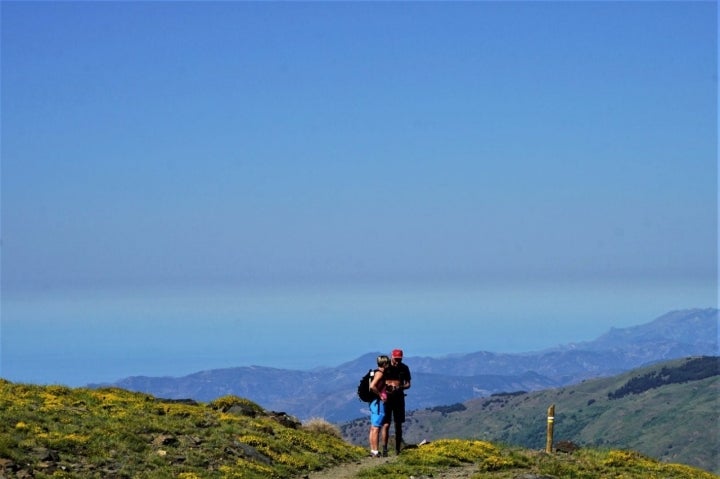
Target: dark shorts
(395, 408)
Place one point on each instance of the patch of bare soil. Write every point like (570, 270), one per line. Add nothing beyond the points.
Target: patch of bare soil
(350, 470)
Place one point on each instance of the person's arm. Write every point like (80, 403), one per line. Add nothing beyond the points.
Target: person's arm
(408, 377)
(377, 377)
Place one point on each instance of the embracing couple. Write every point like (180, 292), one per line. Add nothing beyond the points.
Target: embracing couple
(389, 382)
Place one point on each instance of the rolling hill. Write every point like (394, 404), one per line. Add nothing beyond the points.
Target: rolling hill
(669, 411)
(111, 433)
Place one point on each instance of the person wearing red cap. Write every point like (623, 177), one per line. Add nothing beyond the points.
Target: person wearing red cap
(397, 380)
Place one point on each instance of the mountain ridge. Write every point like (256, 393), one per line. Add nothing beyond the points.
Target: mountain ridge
(330, 392)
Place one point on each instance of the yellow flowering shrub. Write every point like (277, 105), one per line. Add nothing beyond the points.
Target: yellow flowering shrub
(452, 452)
(300, 439)
(244, 469)
(621, 458)
(225, 417)
(497, 462)
(294, 461)
(60, 441)
(51, 402)
(637, 464)
(253, 440)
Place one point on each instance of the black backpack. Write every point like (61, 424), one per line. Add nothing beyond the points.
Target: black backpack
(363, 391)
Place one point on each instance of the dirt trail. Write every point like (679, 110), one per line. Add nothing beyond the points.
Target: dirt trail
(350, 470)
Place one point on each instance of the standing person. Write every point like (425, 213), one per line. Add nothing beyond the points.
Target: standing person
(397, 380)
(377, 406)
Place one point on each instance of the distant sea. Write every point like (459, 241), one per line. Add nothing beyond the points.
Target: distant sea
(90, 336)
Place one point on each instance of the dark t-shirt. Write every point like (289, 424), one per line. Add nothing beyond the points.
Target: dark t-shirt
(395, 404)
(399, 372)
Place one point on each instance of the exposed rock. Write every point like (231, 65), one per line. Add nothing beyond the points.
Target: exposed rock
(566, 447)
(247, 451)
(44, 454)
(242, 410)
(285, 419)
(189, 402)
(165, 440)
(7, 466)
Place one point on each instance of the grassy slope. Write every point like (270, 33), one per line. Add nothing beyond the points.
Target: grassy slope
(674, 423)
(55, 431)
(52, 431)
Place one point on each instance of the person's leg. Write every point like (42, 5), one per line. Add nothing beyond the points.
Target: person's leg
(385, 433)
(384, 438)
(374, 433)
(398, 436)
(399, 418)
(376, 422)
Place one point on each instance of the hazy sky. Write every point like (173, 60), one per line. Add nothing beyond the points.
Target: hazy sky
(183, 144)
(237, 141)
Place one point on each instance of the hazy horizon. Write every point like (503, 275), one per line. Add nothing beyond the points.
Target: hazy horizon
(92, 337)
(199, 184)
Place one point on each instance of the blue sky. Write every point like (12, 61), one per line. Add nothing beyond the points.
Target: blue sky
(182, 144)
(241, 141)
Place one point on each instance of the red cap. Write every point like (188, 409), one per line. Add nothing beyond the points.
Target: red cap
(397, 353)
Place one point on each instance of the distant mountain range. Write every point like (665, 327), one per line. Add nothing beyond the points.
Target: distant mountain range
(330, 393)
(668, 411)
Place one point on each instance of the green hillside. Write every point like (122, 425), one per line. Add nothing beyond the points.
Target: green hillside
(60, 432)
(54, 431)
(668, 411)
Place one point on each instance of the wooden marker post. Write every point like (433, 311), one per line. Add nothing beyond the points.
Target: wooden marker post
(550, 425)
